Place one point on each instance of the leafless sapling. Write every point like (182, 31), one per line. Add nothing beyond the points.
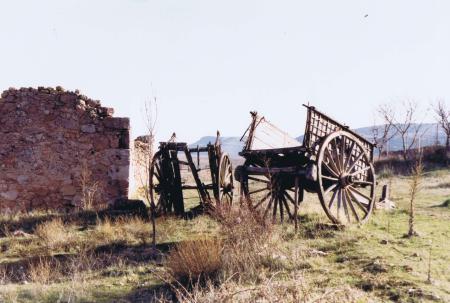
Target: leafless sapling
(443, 118)
(408, 128)
(414, 189)
(143, 158)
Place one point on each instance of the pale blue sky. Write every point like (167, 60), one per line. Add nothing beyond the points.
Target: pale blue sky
(217, 60)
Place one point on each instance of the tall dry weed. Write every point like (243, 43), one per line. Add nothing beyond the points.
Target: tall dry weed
(89, 188)
(43, 271)
(239, 254)
(246, 242)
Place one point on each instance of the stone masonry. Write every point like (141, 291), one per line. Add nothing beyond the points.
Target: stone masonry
(49, 139)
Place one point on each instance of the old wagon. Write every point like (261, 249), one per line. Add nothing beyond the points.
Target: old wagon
(168, 187)
(333, 161)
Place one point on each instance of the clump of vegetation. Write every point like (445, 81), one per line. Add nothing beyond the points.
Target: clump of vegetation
(89, 188)
(43, 270)
(196, 259)
(241, 252)
(446, 203)
(54, 234)
(125, 229)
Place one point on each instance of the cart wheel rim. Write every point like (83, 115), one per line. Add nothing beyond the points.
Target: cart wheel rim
(225, 181)
(156, 186)
(346, 179)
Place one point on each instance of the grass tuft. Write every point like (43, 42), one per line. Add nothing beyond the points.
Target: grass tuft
(54, 234)
(196, 260)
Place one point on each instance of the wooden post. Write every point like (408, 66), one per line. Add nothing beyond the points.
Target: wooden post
(177, 191)
(385, 200)
(198, 157)
(296, 204)
(201, 189)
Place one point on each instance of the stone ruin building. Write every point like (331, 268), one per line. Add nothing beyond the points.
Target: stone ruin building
(59, 150)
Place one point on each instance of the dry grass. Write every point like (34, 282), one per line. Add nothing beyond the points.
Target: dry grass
(54, 234)
(3, 275)
(241, 258)
(241, 253)
(126, 229)
(196, 259)
(247, 243)
(43, 271)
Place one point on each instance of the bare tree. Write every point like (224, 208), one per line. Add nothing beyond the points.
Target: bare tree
(414, 188)
(143, 155)
(381, 139)
(408, 127)
(443, 119)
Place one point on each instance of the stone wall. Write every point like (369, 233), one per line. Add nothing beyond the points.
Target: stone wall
(51, 139)
(140, 166)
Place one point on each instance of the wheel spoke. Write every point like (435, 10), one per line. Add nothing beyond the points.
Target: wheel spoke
(349, 156)
(280, 202)
(331, 161)
(258, 180)
(230, 195)
(289, 198)
(351, 188)
(355, 161)
(257, 191)
(286, 205)
(360, 171)
(338, 208)
(332, 199)
(343, 153)
(355, 199)
(337, 159)
(158, 168)
(262, 200)
(275, 206)
(330, 188)
(330, 178)
(334, 173)
(344, 202)
(349, 200)
(269, 205)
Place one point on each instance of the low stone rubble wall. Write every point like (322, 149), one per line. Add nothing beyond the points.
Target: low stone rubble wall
(51, 140)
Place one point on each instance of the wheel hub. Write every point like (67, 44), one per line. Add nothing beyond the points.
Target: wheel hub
(345, 180)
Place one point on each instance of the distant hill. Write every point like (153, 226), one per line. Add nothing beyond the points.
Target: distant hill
(230, 145)
(233, 146)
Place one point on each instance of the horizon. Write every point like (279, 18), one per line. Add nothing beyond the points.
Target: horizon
(214, 63)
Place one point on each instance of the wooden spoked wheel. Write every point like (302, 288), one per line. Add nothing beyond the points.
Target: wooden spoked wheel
(225, 181)
(157, 185)
(346, 179)
(270, 194)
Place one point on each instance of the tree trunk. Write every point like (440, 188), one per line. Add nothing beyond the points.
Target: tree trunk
(411, 231)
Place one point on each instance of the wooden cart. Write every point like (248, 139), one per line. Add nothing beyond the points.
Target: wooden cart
(166, 184)
(333, 161)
